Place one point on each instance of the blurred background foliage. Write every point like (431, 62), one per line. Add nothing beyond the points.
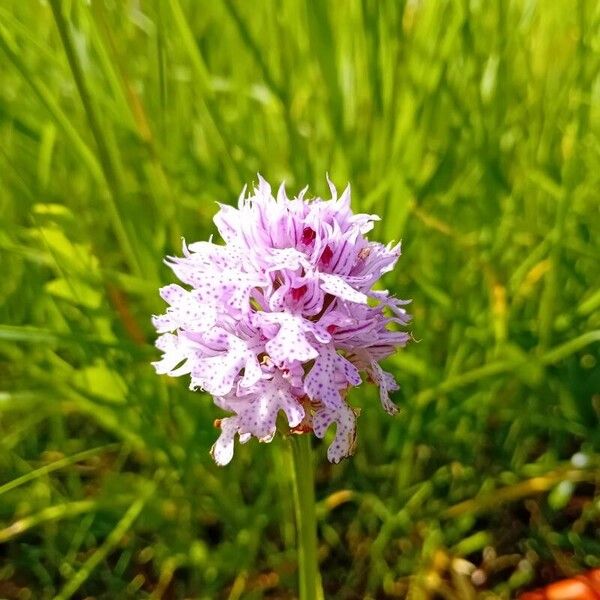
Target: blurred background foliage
(471, 126)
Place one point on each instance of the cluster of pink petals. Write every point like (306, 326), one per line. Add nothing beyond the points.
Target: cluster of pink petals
(283, 317)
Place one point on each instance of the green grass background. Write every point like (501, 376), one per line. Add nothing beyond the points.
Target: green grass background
(470, 126)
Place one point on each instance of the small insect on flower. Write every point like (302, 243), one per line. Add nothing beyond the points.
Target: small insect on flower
(278, 318)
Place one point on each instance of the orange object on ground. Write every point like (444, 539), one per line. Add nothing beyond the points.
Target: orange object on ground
(582, 587)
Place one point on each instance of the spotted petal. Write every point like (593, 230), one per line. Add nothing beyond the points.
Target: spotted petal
(336, 286)
(217, 374)
(222, 450)
(330, 373)
(345, 435)
(386, 383)
(269, 397)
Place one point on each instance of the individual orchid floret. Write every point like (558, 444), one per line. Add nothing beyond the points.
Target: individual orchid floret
(282, 318)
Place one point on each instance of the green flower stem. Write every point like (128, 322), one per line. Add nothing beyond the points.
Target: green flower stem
(306, 521)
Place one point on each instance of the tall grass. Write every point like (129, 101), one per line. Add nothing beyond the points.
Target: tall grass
(471, 127)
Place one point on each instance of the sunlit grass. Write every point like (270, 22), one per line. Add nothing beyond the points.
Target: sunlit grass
(470, 127)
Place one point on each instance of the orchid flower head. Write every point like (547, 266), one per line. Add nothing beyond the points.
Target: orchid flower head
(283, 317)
